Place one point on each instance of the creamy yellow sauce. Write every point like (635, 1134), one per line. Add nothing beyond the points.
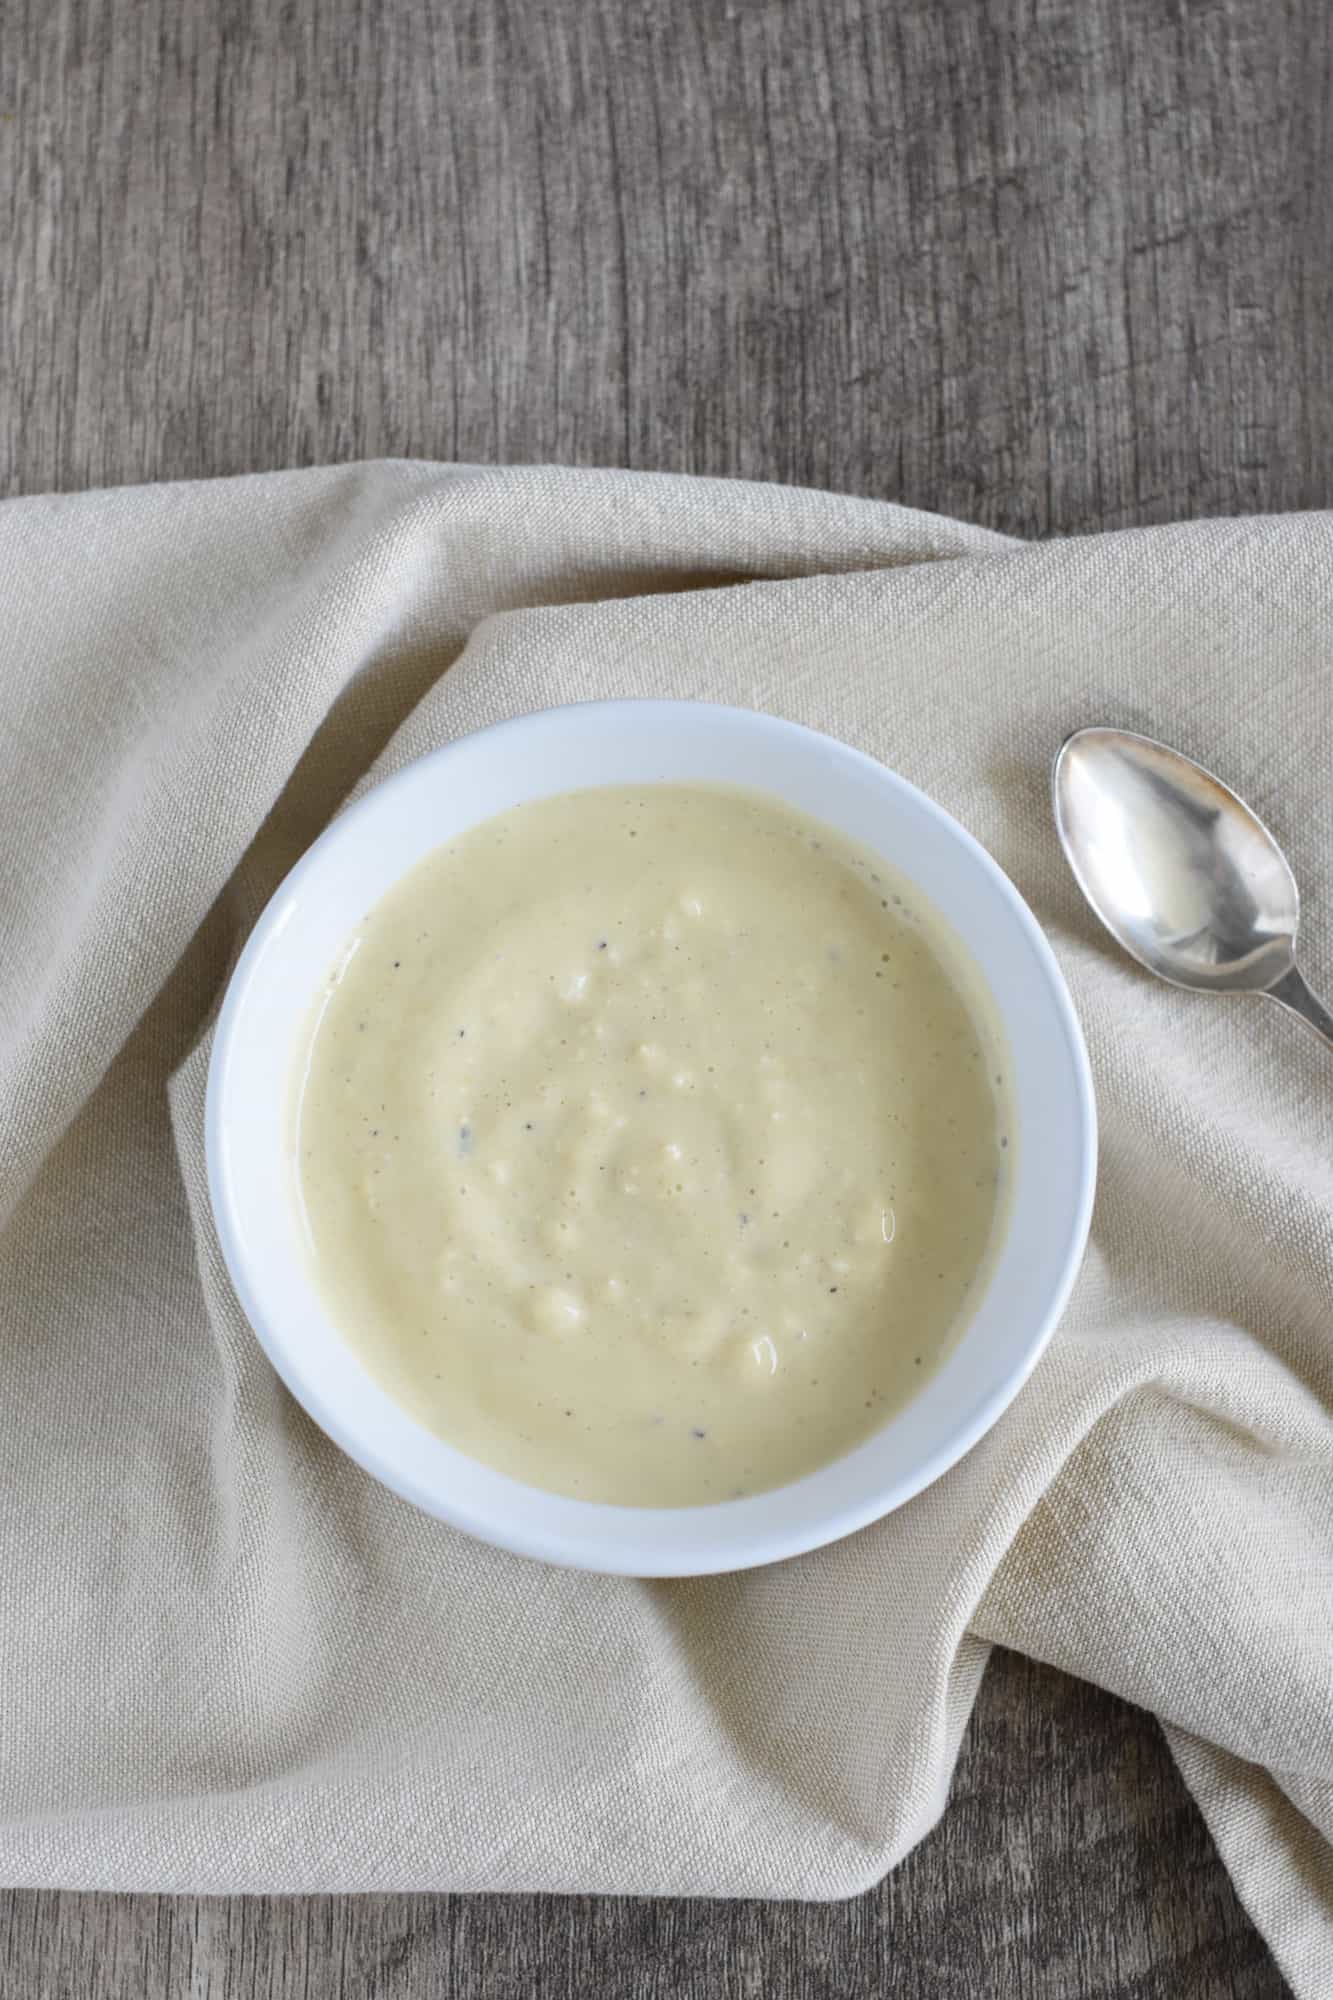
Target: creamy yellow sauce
(648, 1148)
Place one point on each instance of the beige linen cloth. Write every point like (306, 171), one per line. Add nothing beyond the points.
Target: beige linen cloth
(230, 1661)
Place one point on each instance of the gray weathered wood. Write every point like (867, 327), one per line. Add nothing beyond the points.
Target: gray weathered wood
(1055, 265)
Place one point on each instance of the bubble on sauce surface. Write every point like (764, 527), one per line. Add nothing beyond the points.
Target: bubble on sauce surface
(557, 1311)
(762, 1356)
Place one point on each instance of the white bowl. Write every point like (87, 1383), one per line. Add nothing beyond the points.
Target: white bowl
(252, 1177)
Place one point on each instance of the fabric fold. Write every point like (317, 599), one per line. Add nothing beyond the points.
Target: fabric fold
(233, 1662)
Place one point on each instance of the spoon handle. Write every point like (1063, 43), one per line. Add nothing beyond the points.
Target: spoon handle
(1292, 993)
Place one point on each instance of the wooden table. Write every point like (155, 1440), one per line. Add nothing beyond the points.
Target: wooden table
(1054, 265)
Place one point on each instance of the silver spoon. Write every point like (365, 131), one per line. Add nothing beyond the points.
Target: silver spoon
(1180, 871)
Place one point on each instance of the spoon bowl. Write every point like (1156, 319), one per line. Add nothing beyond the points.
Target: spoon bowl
(1180, 871)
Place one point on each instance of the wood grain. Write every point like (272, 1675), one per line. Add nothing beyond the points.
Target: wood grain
(1053, 265)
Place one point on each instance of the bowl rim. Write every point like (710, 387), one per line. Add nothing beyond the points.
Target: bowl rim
(739, 1543)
